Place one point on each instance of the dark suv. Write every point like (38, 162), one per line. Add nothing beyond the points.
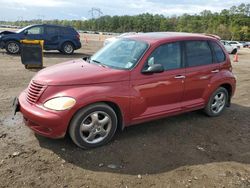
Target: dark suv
(64, 39)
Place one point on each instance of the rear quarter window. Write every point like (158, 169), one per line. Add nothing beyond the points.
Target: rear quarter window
(67, 31)
(218, 52)
(198, 53)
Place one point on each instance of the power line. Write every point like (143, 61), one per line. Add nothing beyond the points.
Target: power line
(95, 12)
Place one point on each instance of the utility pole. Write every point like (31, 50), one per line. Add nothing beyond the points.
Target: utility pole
(95, 14)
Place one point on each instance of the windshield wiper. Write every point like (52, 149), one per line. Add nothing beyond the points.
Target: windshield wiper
(98, 62)
(95, 61)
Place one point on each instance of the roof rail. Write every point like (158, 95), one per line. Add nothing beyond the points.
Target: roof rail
(211, 35)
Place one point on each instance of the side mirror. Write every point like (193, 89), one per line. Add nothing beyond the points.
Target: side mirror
(25, 32)
(155, 68)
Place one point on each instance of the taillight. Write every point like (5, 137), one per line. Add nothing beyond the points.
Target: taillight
(78, 36)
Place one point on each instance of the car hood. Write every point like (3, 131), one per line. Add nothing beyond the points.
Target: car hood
(79, 72)
(7, 33)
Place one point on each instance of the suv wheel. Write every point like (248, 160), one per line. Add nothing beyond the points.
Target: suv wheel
(67, 48)
(13, 47)
(217, 102)
(93, 126)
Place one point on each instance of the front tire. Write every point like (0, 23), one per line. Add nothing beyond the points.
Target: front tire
(93, 126)
(13, 47)
(217, 102)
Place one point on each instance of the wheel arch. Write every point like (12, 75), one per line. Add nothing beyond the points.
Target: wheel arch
(111, 104)
(67, 41)
(11, 39)
(229, 89)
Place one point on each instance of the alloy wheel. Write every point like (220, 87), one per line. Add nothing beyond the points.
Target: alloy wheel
(218, 103)
(95, 127)
(13, 47)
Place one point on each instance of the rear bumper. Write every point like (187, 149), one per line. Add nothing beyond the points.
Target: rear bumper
(78, 45)
(45, 123)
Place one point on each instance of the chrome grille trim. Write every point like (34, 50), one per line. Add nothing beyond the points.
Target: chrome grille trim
(34, 92)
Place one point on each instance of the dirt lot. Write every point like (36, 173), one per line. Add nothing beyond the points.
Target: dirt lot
(190, 150)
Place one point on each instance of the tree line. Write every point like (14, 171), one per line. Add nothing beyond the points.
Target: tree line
(229, 24)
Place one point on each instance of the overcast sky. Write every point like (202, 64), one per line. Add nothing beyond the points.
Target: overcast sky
(79, 9)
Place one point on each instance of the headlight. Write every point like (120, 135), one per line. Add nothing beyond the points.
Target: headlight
(60, 103)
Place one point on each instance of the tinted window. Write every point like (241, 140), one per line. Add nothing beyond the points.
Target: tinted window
(198, 53)
(168, 55)
(35, 30)
(66, 31)
(219, 54)
(52, 30)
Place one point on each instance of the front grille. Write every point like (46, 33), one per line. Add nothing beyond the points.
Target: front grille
(34, 92)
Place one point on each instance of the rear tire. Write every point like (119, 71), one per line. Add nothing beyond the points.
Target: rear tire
(67, 48)
(13, 47)
(93, 126)
(217, 102)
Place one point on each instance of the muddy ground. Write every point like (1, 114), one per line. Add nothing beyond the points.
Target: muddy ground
(189, 150)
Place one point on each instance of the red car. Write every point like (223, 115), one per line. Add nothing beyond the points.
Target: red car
(132, 80)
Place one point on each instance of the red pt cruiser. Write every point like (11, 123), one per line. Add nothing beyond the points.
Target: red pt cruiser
(132, 80)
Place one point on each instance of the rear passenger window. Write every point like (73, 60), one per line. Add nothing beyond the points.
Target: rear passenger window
(219, 54)
(168, 55)
(198, 53)
(52, 30)
(66, 31)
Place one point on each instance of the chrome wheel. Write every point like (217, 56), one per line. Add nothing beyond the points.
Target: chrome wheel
(13, 47)
(68, 48)
(218, 103)
(95, 127)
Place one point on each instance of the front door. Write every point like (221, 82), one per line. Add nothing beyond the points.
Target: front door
(160, 93)
(35, 33)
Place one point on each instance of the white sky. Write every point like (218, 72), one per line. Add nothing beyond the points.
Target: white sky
(79, 9)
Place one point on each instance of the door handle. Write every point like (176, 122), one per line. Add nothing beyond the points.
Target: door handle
(215, 71)
(180, 77)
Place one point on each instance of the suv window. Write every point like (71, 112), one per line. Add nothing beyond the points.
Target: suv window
(66, 31)
(219, 54)
(168, 55)
(38, 30)
(52, 30)
(198, 53)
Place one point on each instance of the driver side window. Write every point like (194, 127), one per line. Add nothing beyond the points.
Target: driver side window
(168, 55)
(35, 31)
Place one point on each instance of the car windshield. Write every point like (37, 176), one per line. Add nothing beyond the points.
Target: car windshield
(21, 30)
(121, 54)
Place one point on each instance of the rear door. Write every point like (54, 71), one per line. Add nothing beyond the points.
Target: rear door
(200, 68)
(51, 38)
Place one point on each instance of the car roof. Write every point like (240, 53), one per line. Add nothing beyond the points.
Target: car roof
(155, 37)
(52, 25)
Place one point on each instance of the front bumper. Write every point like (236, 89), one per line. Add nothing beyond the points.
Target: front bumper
(45, 123)
(2, 44)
